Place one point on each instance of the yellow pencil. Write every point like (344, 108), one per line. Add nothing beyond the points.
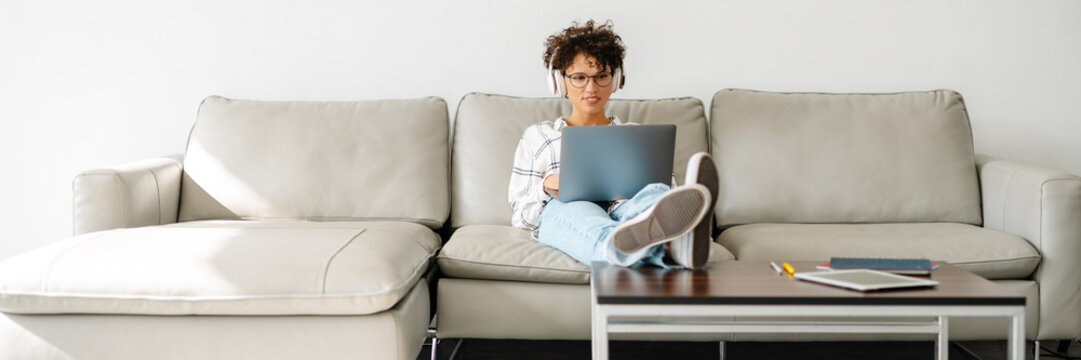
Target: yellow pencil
(788, 268)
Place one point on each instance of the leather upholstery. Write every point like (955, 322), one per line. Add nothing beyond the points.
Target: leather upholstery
(222, 268)
(487, 129)
(356, 160)
(843, 158)
(501, 252)
(397, 333)
(142, 193)
(498, 252)
(1042, 206)
(991, 254)
(847, 158)
(489, 309)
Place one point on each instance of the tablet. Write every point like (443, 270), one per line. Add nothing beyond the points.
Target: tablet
(601, 163)
(864, 280)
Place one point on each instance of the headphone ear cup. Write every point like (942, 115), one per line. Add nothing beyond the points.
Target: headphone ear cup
(561, 85)
(555, 77)
(550, 78)
(617, 80)
(555, 83)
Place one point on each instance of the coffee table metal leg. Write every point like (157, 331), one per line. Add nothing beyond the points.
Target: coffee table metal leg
(942, 342)
(600, 334)
(1016, 346)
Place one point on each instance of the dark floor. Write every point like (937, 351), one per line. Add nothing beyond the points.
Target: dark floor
(526, 349)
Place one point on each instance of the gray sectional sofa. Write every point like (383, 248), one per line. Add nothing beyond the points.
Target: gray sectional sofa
(326, 229)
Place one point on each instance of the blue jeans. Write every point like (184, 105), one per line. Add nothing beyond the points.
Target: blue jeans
(582, 229)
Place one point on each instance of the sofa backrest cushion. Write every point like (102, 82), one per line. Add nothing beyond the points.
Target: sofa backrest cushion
(348, 160)
(843, 158)
(486, 132)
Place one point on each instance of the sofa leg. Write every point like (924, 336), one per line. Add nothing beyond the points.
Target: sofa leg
(721, 350)
(435, 342)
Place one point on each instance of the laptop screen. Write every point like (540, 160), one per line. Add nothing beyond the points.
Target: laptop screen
(602, 163)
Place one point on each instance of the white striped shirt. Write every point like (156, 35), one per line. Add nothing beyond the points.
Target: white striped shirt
(536, 157)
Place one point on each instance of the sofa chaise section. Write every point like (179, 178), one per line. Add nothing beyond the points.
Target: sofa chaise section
(288, 230)
(223, 268)
(389, 334)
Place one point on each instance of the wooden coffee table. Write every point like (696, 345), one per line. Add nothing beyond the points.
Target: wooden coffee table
(624, 300)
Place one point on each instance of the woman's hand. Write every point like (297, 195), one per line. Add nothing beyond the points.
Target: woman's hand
(551, 185)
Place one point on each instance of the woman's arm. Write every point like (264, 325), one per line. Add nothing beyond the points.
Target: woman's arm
(526, 192)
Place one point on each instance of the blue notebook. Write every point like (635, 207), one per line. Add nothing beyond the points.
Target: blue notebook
(897, 266)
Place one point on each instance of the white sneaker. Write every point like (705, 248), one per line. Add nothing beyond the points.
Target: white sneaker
(693, 251)
(676, 213)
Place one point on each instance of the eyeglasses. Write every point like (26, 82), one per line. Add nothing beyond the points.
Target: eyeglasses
(580, 80)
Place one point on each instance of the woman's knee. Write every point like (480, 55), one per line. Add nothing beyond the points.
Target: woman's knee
(581, 207)
(655, 187)
(567, 211)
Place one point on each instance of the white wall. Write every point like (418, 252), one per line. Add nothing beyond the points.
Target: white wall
(92, 84)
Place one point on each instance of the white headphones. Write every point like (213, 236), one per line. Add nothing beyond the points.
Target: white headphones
(558, 87)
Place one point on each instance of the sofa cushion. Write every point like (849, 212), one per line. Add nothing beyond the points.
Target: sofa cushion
(222, 268)
(988, 253)
(844, 158)
(340, 161)
(487, 129)
(498, 252)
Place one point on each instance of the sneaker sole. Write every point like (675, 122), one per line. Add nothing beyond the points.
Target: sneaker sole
(707, 177)
(678, 212)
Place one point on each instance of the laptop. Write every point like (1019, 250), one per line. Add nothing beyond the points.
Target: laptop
(603, 163)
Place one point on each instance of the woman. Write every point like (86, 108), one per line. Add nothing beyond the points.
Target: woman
(585, 65)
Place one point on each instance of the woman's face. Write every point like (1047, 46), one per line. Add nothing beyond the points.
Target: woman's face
(590, 98)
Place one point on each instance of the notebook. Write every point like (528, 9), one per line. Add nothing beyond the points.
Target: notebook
(896, 266)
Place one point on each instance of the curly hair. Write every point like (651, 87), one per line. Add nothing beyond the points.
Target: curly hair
(598, 41)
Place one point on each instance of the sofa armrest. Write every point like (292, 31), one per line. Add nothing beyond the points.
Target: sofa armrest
(1042, 206)
(141, 193)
